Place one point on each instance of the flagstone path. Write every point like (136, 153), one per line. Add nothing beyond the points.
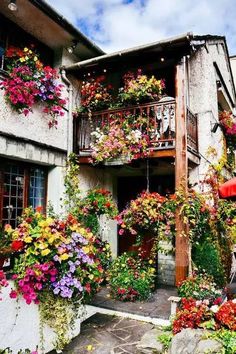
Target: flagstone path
(105, 334)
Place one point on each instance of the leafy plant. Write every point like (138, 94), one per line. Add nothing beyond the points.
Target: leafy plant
(200, 287)
(130, 278)
(227, 338)
(165, 339)
(206, 257)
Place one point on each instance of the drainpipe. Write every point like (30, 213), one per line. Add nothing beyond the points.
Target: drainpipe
(69, 114)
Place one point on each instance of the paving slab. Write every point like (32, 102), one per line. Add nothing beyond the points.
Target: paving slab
(156, 306)
(105, 334)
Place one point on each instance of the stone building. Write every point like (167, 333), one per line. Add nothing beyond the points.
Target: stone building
(199, 84)
(32, 156)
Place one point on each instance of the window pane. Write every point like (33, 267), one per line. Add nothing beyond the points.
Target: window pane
(37, 187)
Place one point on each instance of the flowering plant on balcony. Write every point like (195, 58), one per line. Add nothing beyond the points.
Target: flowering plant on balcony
(61, 264)
(140, 88)
(228, 122)
(95, 95)
(127, 137)
(31, 82)
(149, 212)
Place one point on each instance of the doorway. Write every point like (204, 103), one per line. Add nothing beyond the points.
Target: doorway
(128, 188)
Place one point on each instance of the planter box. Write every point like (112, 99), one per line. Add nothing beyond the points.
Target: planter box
(19, 325)
(117, 161)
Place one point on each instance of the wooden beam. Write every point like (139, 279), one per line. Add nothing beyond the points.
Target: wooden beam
(181, 172)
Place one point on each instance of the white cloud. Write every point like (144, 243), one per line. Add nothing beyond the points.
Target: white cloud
(119, 24)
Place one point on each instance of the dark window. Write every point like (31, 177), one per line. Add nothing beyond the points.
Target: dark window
(21, 185)
(13, 35)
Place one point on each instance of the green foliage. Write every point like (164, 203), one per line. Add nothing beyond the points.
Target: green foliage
(165, 339)
(131, 278)
(71, 183)
(200, 287)
(207, 258)
(227, 338)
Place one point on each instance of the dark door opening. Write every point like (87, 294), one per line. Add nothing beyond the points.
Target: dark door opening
(128, 188)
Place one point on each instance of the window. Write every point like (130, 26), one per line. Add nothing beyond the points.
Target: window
(13, 35)
(21, 185)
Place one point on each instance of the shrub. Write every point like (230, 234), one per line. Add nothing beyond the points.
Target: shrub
(130, 278)
(207, 259)
(200, 287)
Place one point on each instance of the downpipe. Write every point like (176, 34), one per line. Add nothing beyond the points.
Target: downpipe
(69, 113)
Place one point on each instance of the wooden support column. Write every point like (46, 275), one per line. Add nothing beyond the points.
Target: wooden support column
(181, 172)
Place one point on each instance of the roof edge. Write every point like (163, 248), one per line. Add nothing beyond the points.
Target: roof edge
(188, 36)
(63, 22)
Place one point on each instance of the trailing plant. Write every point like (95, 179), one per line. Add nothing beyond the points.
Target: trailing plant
(130, 278)
(149, 212)
(30, 82)
(72, 191)
(60, 262)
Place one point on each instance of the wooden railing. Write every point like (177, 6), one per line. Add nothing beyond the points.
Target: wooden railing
(192, 131)
(161, 116)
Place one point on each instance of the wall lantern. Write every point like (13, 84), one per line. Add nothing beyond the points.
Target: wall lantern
(12, 5)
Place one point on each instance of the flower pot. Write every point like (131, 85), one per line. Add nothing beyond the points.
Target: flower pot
(118, 161)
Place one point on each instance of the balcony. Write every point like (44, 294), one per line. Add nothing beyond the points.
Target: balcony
(160, 115)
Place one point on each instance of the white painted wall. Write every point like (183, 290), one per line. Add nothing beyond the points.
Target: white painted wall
(203, 100)
(92, 177)
(20, 325)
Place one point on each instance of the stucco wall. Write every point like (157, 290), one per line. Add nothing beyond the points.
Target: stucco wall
(91, 177)
(203, 100)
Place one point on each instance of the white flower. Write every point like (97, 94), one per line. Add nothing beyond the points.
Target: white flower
(234, 301)
(214, 308)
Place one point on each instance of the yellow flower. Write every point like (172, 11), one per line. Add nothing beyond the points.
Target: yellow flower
(150, 261)
(22, 60)
(26, 49)
(28, 239)
(89, 348)
(64, 256)
(91, 276)
(45, 252)
(30, 51)
(35, 58)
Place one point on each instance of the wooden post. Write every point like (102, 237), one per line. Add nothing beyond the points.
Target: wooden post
(181, 172)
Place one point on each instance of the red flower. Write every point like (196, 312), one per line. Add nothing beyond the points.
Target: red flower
(39, 209)
(17, 245)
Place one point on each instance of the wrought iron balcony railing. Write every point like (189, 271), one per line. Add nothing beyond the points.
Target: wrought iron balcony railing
(161, 116)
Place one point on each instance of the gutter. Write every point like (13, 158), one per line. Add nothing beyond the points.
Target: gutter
(89, 62)
(63, 22)
(69, 114)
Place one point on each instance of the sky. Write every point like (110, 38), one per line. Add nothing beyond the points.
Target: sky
(121, 24)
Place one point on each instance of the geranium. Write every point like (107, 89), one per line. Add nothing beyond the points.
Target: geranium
(226, 314)
(191, 315)
(228, 122)
(30, 82)
(140, 88)
(95, 95)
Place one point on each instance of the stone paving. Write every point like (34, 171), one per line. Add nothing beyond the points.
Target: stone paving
(105, 334)
(156, 306)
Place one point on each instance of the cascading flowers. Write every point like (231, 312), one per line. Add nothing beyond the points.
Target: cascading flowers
(60, 262)
(31, 82)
